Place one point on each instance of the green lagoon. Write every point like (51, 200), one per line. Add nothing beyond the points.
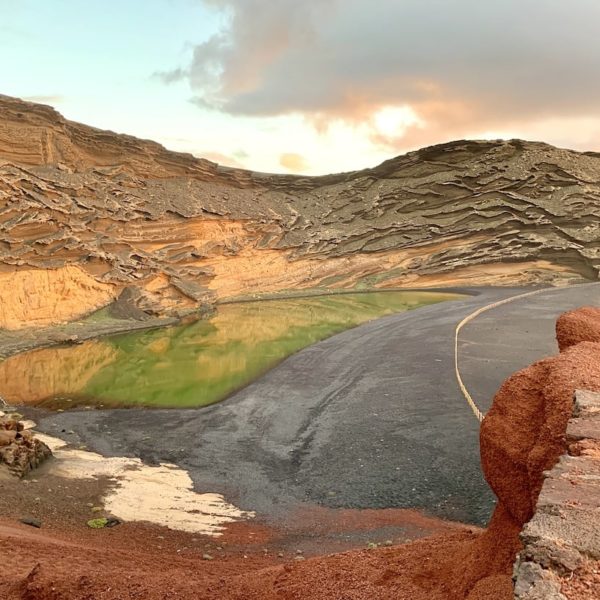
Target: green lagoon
(193, 364)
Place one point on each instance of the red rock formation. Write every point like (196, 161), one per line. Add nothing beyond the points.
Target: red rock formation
(522, 436)
(577, 325)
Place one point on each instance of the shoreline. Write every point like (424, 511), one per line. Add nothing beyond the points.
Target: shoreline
(33, 338)
(82, 330)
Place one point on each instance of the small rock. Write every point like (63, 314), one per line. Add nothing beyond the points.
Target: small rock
(103, 522)
(113, 522)
(97, 509)
(299, 558)
(388, 543)
(7, 437)
(31, 522)
(207, 557)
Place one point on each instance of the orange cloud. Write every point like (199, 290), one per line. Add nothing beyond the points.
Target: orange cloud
(295, 163)
(50, 99)
(222, 159)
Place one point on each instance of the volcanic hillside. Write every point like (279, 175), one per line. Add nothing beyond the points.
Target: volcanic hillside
(88, 216)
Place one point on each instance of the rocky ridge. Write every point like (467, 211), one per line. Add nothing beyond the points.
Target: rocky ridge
(90, 216)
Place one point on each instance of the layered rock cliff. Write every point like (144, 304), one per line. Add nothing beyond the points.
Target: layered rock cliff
(88, 216)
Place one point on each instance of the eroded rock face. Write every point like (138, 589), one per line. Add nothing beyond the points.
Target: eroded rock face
(38, 297)
(522, 437)
(182, 231)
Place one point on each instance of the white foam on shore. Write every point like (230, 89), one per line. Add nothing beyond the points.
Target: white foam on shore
(163, 494)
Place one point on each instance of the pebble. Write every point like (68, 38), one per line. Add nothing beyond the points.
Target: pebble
(31, 522)
(207, 557)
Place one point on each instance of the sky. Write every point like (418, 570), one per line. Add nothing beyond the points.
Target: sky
(310, 86)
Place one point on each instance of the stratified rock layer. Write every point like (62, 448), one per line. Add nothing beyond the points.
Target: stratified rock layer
(108, 212)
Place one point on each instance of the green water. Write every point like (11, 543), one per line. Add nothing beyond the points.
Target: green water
(198, 363)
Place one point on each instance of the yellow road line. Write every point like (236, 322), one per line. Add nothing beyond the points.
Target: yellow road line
(472, 404)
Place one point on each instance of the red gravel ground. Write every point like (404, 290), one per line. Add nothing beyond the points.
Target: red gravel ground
(149, 562)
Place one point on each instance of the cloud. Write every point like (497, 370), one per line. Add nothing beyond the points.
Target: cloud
(49, 99)
(295, 163)
(220, 158)
(460, 67)
(170, 76)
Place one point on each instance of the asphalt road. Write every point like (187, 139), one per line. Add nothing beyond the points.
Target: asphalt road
(369, 418)
(510, 337)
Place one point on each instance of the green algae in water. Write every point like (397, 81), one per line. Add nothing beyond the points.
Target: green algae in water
(195, 364)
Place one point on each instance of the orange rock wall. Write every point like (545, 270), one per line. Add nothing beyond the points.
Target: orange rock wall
(39, 297)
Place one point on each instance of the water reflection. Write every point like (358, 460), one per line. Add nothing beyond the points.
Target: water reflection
(194, 364)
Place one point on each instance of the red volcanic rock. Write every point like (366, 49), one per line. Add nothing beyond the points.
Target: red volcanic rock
(524, 432)
(522, 436)
(581, 325)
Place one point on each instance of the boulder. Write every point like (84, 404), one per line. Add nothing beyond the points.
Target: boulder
(20, 451)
